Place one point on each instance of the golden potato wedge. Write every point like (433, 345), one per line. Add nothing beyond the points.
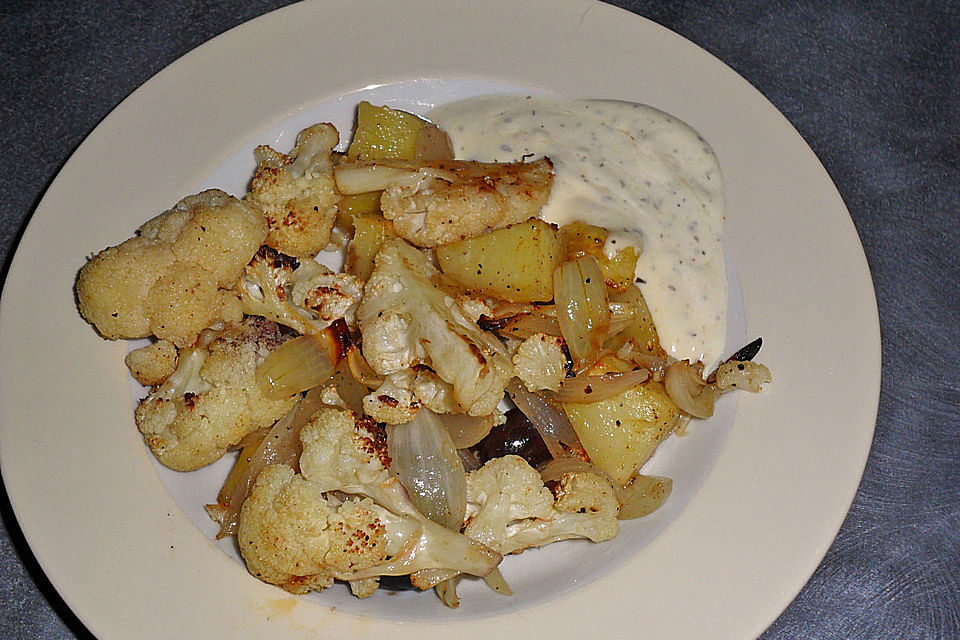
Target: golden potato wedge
(383, 132)
(621, 432)
(369, 234)
(619, 269)
(582, 239)
(642, 330)
(355, 205)
(515, 263)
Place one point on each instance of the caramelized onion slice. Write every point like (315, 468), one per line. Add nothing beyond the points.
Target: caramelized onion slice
(689, 391)
(643, 496)
(361, 370)
(466, 430)
(525, 325)
(350, 389)
(279, 445)
(357, 178)
(585, 389)
(550, 422)
(447, 590)
(352, 179)
(559, 467)
(622, 315)
(580, 296)
(496, 581)
(295, 366)
(429, 468)
(656, 365)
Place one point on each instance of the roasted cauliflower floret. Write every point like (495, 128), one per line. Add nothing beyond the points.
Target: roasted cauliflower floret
(459, 199)
(434, 393)
(291, 536)
(153, 363)
(744, 375)
(541, 362)
(112, 286)
(344, 452)
(403, 393)
(212, 399)
(172, 280)
(297, 193)
(301, 294)
(212, 230)
(394, 401)
(184, 301)
(509, 509)
(406, 320)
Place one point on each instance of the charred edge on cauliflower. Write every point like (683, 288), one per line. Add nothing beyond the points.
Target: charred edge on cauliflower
(276, 260)
(373, 439)
(300, 294)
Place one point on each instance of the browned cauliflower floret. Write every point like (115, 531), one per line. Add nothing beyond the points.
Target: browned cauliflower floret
(301, 294)
(541, 362)
(743, 375)
(401, 395)
(184, 301)
(297, 193)
(393, 402)
(406, 320)
(112, 286)
(172, 280)
(212, 230)
(509, 508)
(212, 399)
(291, 536)
(346, 517)
(348, 453)
(457, 200)
(152, 364)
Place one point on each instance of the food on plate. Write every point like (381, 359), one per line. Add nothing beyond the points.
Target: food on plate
(408, 320)
(296, 193)
(434, 203)
(621, 432)
(371, 405)
(646, 178)
(524, 274)
(211, 400)
(297, 532)
(174, 278)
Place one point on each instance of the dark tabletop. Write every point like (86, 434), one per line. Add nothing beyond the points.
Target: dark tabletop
(873, 87)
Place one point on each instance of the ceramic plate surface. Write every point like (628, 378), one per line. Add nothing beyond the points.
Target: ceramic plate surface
(760, 489)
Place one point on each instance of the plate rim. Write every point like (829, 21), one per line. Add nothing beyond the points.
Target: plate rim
(13, 435)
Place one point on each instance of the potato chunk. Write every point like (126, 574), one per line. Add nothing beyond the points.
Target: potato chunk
(642, 330)
(589, 240)
(357, 205)
(383, 132)
(369, 234)
(621, 432)
(515, 263)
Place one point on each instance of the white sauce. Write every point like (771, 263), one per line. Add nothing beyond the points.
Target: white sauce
(645, 176)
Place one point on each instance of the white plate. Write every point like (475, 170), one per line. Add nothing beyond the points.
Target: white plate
(132, 563)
